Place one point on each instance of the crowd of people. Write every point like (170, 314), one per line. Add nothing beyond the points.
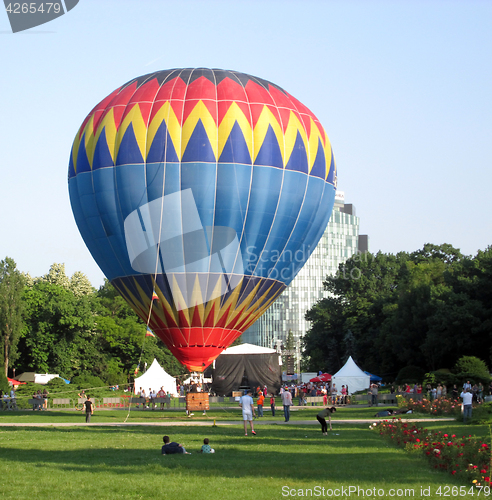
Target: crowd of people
(7, 400)
(150, 397)
(328, 391)
(438, 391)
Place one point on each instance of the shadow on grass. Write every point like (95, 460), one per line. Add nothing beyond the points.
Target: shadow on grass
(230, 463)
(296, 452)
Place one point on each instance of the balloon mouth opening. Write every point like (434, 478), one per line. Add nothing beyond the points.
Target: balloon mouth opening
(198, 357)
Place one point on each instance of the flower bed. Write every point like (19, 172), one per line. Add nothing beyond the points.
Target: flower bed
(441, 406)
(465, 456)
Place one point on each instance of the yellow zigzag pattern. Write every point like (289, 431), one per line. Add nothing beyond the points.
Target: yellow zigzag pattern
(141, 304)
(217, 135)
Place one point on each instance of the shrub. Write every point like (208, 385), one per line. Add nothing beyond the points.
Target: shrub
(88, 381)
(56, 384)
(473, 369)
(445, 377)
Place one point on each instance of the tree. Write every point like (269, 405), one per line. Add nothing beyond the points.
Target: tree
(59, 333)
(11, 308)
(473, 368)
(78, 283)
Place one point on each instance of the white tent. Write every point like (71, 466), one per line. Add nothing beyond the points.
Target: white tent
(155, 378)
(352, 376)
(37, 378)
(248, 349)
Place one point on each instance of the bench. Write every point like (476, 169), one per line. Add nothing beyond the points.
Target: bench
(112, 402)
(37, 404)
(166, 400)
(137, 401)
(382, 398)
(63, 402)
(8, 404)
(314, 399)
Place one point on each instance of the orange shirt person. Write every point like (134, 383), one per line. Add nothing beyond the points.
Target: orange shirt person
(259, 402)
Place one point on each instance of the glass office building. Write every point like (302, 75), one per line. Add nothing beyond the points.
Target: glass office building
(339, 242)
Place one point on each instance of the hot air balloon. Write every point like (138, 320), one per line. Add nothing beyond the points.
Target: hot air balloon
(200, 193)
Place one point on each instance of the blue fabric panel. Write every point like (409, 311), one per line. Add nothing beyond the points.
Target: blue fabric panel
(132, 190)
(290, 202)
(162, 148)
(265, 190)
(154, 176)
(331, 175)
(82, 161)
(198, 148)
(71, 168)
(321, 219)
(298, 159)
(200, 178)
(129, 152)
(235, 149)
(270, 154)
(99, 247)
(102, 156)
(297, 243)
(110, 213)
(233, 183)
(319, 166)
(172, 178)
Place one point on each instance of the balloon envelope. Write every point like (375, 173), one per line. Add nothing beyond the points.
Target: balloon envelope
(201, 193)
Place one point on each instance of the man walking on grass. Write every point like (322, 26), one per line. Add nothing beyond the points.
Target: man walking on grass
(287, 402)
(248, 407)
(89, 409)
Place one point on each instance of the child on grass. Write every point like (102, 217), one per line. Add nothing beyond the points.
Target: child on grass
(206, 447)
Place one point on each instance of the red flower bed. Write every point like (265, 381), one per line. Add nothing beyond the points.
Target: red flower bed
(466, 456)
(441, 406)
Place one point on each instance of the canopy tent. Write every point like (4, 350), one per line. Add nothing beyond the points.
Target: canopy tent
(374, 378)
(155, 378)
(351, 376)
(14, 382)
(249, 364)
(36, 378)
(324, 377)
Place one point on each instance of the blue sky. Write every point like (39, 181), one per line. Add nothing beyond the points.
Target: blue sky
(403, 89)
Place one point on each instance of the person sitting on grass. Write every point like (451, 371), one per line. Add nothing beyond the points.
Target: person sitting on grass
(172, 448)
(206, 447)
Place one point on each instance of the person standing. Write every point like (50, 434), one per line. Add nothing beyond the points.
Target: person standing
(287, 402)
(272, 404)
(247, 404)
(374, 394)
(89, 409)
(480, 392)
(259, 402)
(467, 397)
(161, 395)
(344, 395)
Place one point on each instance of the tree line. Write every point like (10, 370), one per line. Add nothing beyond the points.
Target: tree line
(60, 324)
(424, 309)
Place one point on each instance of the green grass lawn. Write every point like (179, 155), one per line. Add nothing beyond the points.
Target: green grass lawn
(220, 414)
(125, 462)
